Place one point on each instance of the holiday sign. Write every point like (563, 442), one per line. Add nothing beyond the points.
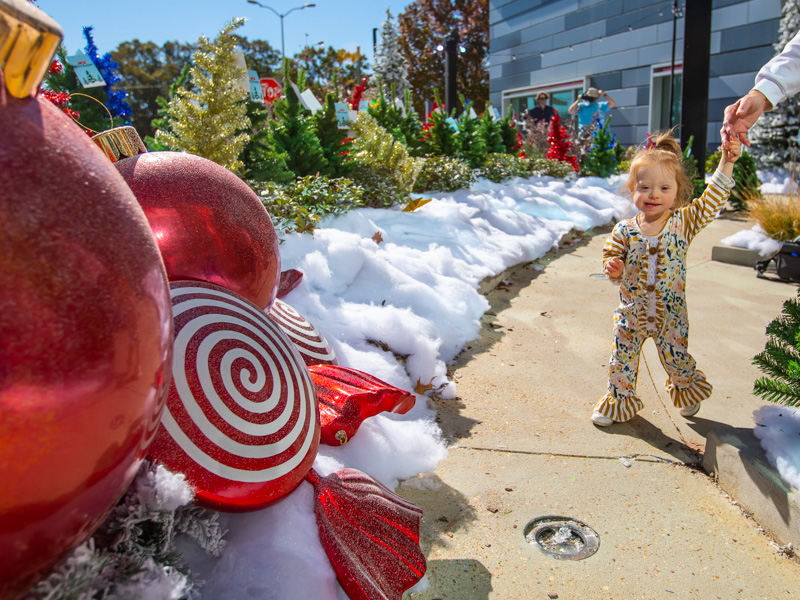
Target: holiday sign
(86, 71)
(271, 89)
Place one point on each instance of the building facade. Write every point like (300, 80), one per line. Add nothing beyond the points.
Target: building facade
(631, 49)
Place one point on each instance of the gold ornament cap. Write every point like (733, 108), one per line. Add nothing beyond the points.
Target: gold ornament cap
(120, 142)
(28, 40)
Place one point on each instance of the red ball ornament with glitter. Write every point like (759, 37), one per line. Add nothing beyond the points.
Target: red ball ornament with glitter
(85, 335)
(209, 225)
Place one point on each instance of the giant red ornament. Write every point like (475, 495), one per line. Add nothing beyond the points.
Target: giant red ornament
(85, 337)
(241, 420)
(209, 225)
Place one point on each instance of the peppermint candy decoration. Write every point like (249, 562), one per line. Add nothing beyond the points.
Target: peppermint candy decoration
(312, 345)
(241, 420)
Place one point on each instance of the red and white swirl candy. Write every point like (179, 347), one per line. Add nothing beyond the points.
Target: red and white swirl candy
(311, 344)
(241, 421)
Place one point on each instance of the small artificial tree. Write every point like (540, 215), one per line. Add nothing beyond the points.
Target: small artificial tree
(473, 147)
(390, 64)
(602, 159)
(210, 120)
(490, 132)
(439, 135)
(512, 140)
(262, 162)
(334, 142)
(387, 114)
(162, 121)
(560, 143)
(780, 360)
(294, 134)
(411, 126)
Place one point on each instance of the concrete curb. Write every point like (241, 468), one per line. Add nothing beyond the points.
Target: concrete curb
(740, 464)
(735, 256)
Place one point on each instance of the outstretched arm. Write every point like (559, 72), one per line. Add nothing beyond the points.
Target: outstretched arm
(776, 81)
(741, 116)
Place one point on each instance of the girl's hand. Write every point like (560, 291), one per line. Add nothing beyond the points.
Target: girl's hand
(732, 153)
(614, 268)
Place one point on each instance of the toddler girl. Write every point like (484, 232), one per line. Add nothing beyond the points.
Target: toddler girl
(646, 257)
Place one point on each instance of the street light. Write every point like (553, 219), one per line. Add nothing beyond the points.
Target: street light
(281, 15)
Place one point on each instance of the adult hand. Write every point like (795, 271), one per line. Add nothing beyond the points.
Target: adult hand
(741, 116)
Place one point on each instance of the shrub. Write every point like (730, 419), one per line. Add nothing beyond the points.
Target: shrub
(300, 205)
(380, 186)
(445, 174)
(551, 168)
(778, 216)
(744, 173)
(498, 167)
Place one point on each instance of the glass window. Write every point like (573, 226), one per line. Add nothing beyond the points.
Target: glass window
(660, 115)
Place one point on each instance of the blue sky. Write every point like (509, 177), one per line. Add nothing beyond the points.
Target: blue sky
(338, 23)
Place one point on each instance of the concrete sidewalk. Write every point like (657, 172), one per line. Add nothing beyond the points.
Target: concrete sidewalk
(523, 447)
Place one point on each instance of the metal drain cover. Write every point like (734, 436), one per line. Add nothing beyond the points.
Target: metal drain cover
(562, 538)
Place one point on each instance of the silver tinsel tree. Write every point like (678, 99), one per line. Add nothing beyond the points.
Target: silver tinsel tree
(390, 65)
(774, 135)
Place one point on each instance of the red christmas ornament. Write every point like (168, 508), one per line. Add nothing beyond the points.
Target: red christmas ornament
(85, 337)
(310, 343)
(209, 225)
(347, 397)
(370, 534)
(241, 420)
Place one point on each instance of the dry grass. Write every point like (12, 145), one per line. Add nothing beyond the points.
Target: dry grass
(778, 215)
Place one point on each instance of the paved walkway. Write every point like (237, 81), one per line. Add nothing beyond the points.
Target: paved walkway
(522, 445)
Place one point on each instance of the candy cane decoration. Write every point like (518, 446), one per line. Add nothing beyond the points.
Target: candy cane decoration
(241, 420)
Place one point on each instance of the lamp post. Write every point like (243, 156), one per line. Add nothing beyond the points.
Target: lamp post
(281, 15)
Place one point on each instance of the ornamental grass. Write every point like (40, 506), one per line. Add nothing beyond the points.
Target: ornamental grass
(777, 214)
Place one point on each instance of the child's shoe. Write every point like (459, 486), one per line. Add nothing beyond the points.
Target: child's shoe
(690, 411)
(601, 419)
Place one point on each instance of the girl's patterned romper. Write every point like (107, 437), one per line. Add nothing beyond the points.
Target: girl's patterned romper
(653, 304)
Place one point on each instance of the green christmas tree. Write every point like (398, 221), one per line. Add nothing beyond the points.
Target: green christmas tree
(387, 114)
(411, 126)
(294, 135)
(162, 121)
(512, 140)
(210, 120)
(602, 159)
(262, 162)
(335, 144)
(440, 134)
(490, 132)
(473, 147)
(780, 360)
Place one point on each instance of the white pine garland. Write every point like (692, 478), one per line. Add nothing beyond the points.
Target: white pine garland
(133, 554)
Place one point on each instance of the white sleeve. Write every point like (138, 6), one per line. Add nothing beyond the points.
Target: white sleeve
(780, 78)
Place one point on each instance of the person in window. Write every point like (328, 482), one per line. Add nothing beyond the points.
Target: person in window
(542, 111)
(591, 105)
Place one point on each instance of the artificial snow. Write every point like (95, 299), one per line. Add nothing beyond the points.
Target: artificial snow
(778, 428)
(753, 239)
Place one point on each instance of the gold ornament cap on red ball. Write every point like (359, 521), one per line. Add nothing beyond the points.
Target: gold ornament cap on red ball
(28, 40)
(120, 142)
